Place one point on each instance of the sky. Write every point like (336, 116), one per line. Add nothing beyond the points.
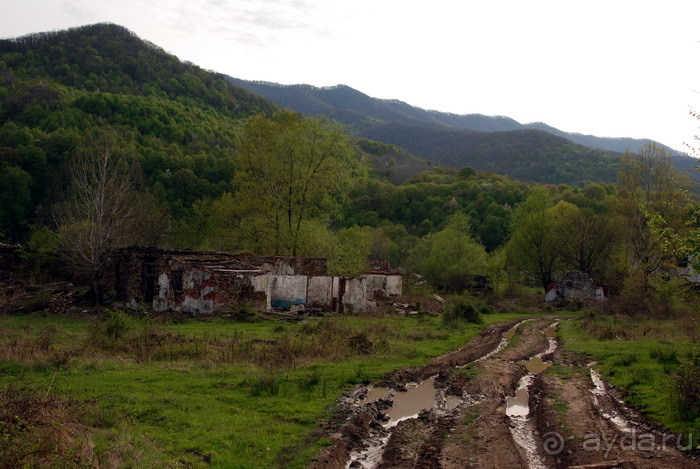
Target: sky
(611, 68)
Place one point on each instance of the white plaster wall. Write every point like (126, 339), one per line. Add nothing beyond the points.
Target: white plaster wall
(394, 285)
(356, 298)
(288, 287)
(320, 291)
(194, 278)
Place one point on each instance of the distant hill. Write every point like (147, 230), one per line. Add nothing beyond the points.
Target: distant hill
(530, 155)
(440, 136)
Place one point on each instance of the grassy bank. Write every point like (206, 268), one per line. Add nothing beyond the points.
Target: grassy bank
(190, 393)
(654, 363)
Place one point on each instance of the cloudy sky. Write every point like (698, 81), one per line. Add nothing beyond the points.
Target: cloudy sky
(613, 68)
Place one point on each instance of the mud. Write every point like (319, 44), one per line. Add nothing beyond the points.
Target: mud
(509, 416)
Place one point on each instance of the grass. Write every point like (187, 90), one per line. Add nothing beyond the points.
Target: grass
(219, 393)
(642, 358)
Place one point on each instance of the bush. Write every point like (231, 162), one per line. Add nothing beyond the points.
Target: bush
(117, 325)
(686, 390)
(462, 312)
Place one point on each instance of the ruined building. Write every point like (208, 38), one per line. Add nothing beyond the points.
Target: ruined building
(574, 286)
(206, 282)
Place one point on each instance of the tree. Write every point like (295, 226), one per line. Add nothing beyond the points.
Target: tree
(450, 258)
(534, 248)
(648, 185)
(101, 209)
(292, 169)
(586, 239)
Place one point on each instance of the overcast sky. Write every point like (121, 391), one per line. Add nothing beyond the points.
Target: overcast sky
(612, 68)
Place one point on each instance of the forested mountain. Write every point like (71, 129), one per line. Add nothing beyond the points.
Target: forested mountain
(399, 123)
(531, 155)
(180, 123)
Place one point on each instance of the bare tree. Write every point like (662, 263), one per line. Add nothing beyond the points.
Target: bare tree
(101, 209)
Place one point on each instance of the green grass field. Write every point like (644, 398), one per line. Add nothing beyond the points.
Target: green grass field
(643, 358)
(220, 393)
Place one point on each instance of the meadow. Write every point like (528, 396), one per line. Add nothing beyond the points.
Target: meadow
(123, 391)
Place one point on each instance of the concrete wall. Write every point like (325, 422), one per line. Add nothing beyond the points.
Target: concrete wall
(394, 285)
(287, 290)
(320, 292)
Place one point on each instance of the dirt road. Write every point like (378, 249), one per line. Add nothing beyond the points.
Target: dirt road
(492, 405)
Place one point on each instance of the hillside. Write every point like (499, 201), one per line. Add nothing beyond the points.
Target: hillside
(58, 89)
(371, 117)
(530, 155)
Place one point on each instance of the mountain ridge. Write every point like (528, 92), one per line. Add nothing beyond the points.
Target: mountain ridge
(474, 121)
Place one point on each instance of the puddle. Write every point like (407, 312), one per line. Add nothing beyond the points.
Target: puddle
(599, 390)
(408, 404)
(519, 405)
(374, 394)
(536, 364)
(509, 334)
(551, 331)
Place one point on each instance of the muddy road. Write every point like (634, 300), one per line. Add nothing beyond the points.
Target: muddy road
(495, 403)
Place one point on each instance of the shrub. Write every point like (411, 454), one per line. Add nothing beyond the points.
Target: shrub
(117, 325)
(686, 390)
(462, 312)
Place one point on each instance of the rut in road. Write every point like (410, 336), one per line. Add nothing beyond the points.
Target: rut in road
(460, 421)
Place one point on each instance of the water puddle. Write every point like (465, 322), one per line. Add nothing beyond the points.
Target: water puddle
(409, 403)
(507, 336)
(518, 406)
(536, 365)
(374, 394)
(599, 391)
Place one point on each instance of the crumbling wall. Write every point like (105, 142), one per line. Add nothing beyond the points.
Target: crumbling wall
(364, 293)
(574, 286)
(204, 282)
(320, 292)
(288, 290)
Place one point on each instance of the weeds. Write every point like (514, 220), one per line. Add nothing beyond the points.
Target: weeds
(42, 431)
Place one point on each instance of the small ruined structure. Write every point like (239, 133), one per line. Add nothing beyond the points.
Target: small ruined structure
(574, 286)
(205, 282)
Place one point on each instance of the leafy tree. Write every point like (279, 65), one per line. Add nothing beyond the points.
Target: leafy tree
(534, 248)
(292, 168)
(586, 239)
(449, 258)
(647, 185)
